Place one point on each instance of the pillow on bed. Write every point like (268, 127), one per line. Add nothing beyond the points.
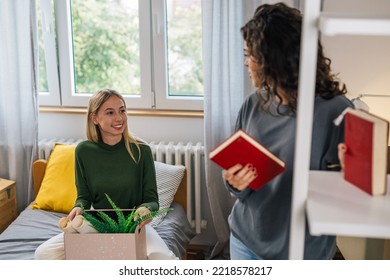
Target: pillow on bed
(168, 179)
(175, 230)
(58, 190)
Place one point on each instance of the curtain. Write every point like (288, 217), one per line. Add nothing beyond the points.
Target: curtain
(223, 95)
(18, 95)
(225, 86)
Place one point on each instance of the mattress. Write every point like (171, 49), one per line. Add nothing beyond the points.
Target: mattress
(33, 227)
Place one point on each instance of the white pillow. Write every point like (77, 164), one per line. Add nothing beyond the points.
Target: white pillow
(168, 179)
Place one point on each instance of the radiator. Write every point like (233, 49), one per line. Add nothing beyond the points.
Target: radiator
(192, 157)
(46, 145)
(188, 154)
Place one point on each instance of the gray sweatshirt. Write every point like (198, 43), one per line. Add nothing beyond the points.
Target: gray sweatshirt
(261, 219)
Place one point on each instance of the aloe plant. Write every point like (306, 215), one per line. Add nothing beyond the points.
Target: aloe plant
(124, 223)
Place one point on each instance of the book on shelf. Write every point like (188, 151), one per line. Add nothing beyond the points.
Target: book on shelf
(366, 159)
(242, 148)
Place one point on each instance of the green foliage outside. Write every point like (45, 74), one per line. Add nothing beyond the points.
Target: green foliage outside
(185, 52)
(106, 48)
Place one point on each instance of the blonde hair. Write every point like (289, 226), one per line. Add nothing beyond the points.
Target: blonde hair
(93, 131)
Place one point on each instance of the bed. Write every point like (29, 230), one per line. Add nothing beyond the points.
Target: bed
(34, 226)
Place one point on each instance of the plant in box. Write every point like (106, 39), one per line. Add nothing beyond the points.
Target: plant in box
(124, 223)
(116, 237)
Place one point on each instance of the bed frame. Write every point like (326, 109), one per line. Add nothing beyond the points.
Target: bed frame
(20, 240)
(39, 168)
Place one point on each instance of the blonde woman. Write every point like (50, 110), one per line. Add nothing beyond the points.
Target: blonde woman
(111, 161)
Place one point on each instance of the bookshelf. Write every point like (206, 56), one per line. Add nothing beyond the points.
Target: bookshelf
(309, 187)
(332, 24)
(339, 208)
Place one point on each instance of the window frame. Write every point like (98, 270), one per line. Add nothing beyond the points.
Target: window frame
(51, 97)
(163, 99)
(153, 50)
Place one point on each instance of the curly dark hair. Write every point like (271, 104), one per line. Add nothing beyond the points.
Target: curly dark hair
(273, 37)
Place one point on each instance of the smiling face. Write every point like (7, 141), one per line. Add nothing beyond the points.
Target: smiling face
(111, 119)
(252, 65)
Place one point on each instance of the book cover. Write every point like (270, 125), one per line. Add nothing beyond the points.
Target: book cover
(366, 138)
(242, 148)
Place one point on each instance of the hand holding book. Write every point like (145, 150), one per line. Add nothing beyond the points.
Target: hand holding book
(341, 150)
(363, 156)
(250, 162)
(240, 176)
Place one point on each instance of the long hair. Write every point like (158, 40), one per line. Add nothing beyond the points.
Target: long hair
(273, 37)
(93, 131)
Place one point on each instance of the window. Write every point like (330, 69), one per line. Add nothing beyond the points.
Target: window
(149, 50)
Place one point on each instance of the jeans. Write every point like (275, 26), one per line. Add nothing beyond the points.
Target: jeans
(238, 250)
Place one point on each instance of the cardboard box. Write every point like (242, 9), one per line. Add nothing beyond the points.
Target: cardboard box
(105, 246)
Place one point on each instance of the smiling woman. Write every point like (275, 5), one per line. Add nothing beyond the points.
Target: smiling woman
(111, 119)
(107, 119)
(111, 163)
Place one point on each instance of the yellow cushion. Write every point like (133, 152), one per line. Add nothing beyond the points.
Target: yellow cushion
(58, 190)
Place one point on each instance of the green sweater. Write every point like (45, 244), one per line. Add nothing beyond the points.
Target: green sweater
(101, 168)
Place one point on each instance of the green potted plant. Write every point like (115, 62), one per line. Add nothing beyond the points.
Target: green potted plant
(103, 223)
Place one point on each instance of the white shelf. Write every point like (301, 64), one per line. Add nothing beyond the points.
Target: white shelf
(332, 205)
(336, 207)
(337, 24)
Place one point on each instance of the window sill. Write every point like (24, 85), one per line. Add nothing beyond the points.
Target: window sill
(130, 112)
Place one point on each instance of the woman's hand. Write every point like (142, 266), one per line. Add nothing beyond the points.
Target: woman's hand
(74, 212)
(342, 149)
(142, 211)
(239, 177)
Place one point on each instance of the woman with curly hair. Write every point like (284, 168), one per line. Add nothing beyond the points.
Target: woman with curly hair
(260, 220)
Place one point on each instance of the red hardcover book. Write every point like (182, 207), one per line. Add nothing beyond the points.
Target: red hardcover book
(242, 148)
(366, 138)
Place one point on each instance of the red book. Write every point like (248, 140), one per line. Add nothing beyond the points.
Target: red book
(242, 148)
(366, 138)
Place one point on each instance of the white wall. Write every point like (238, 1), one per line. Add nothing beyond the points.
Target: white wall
(363, 62)
(55, 125)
